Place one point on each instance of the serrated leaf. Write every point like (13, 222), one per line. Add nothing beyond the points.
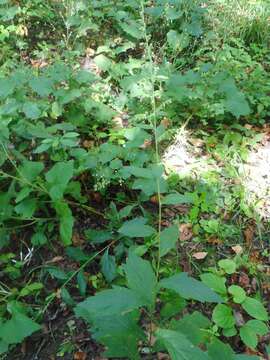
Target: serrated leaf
(136, 228)
(41, 85)
(31, 110)
(132, 28)
(223, 316)
(214, 282)
(58, 177)
(255, 309)
(238, 293)
(190, 288)
(227, 265)
(30, 170)
(179, 347)
(141, 279)
(108, 266)
(237, 105)
(248, 336)
(168, 239)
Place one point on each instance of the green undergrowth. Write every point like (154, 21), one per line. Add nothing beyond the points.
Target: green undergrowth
(94, 226)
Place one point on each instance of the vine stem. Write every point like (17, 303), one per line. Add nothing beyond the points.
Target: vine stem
(154, 125)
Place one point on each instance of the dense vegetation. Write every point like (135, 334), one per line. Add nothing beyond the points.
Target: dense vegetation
(130, 226)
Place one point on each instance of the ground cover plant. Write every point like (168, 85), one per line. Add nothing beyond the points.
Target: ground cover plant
(134, 179)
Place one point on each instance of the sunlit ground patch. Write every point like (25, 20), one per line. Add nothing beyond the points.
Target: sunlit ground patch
(185, 156)
(256, 179)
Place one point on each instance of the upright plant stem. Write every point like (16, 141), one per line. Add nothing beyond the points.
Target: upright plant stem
(154, 125)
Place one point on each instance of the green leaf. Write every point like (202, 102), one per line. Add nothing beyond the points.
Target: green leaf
(168, 239)
(255, 309)
(136, 228)
(258, 327)
(82, 284)
(66, 222)
(141, 279)
(16, 329)
(238, 293)
(108, 266)
(177, 199)
(58, 177)
(39, 239)
(30, 170)
(179, 347)
(98, 236)
(214, 282)
(116, 301)
(190, 288)
(26, 208)
(237, 105)
(193, 327)
(248, 336)
(120, 335)
(31, 110)
(41, 85)
(132, 28)
(227, 265)
(223, 316)
(218, 350)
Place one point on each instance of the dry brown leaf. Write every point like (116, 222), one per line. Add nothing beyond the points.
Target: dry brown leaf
(146, 144)
(88, 144)
(77, 240)
(237, 249)
(55, 260)
(165, 122)
(80, 355)
(200, 255)
(185, 232)
(154, 199)
(249, 234)
(214, 240)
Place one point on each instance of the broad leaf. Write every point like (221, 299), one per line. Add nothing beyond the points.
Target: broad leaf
(192, 326)
(58, 178)
(66, 221)
(219, 350)
(120, 334)
(223, 316)
(168, 239)
(255, 309)
(136, 228)
(190, 288)
(141, 279)
(214, 282)
(108, 266)
(118, 300)
(13, 331)
(179, 347)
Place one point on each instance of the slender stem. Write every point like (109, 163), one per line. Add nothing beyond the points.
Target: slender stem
(154, 124)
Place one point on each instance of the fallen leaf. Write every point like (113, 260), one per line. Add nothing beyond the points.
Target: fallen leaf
(54, 260)
(185, 232)
(146, 144)
(249, 234)
(214, 240)
(154, 199)
(237, 249)
(80, 355)
(165, 122)
(77, 240)
(200, 255)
